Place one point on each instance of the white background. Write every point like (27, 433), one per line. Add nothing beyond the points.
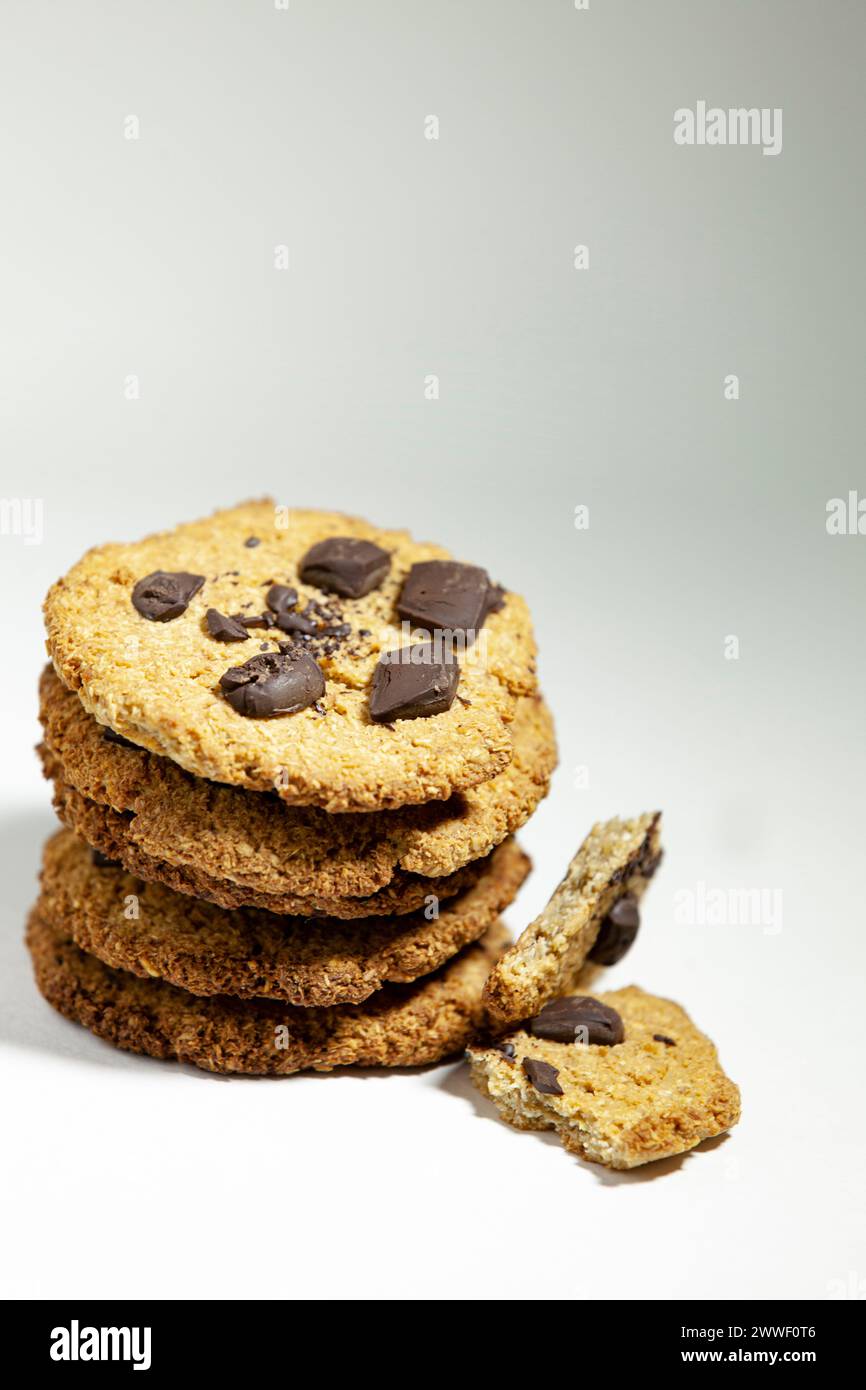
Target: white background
(127, 1177)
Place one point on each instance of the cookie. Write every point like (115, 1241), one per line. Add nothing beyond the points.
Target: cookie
(245, 849)
(400, 1026)
(107, 831)
(658, 1092)
(151, 637)
(615, 862)
(150, 931)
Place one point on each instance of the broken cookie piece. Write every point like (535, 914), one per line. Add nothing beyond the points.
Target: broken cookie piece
(657, 1092)
(595, 908)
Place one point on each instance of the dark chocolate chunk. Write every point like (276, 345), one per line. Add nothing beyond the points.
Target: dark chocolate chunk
(578, 1018)
(162, 596)
(254, 619)
(280, 597)
(342, 565)
(507, 1049)
(102, 861)
(412, 683)
(225, 629)
(650, 863)
(543, 1076)
(335, 630)
(111, 737)
(660, 1037)
(273, 683)
(442, 594)
(295, 622)
(617, 932)
(251, 542)
(495, 599)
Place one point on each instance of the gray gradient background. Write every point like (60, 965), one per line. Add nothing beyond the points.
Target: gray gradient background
(558, 387)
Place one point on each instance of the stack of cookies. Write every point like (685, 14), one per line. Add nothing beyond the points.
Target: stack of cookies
(290, 751)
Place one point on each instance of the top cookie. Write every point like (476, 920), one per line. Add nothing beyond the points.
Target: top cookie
(248, 648)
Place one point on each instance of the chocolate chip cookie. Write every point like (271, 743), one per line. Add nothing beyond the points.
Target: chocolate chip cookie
(399, 1026)
(592, 916)
(237, 848)
(315, 663)
(623, 1078)
(106, 831)
(150, 931)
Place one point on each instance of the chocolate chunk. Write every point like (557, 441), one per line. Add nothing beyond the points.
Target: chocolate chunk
(280, 597)
(543, 1076)
(295, 622)
(507, 1049)
(560, 1020)
(495, 599)
(273, 683)
(111, 737)
(225, 629)
(162, 596)
(412, 686)
(102, 861)
(335, 630)
(254, 619)
(660, 1037)
(441, 594)
(650, 863)
(342, 565)
(251, 542)
(314, 609)
(617, 932)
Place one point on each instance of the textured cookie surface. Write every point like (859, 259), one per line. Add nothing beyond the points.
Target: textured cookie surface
(158, 682)
(400, 1026)
(254, 849)
(617, 857)
(107, 831)
(657, 1093)
(151, 931)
